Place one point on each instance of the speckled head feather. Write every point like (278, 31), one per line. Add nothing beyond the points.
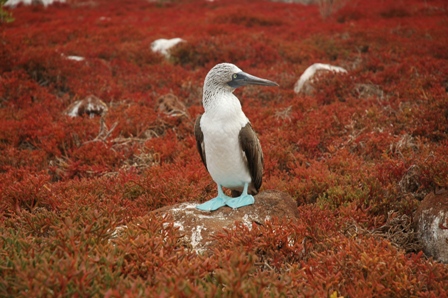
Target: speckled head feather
(217, 81)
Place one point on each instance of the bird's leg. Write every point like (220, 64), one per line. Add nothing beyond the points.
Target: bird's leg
(216, 202)
(243, 200)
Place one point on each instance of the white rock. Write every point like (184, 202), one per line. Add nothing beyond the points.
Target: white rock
(308, 74)
(163, 45)
(75, 58)
(14, 3)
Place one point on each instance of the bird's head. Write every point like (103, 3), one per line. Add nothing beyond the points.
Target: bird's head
(223, 79)
(229, 76)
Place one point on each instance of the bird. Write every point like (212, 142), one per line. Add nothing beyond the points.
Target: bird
(227, 144)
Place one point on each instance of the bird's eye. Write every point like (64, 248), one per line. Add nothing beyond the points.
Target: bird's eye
(234, 76)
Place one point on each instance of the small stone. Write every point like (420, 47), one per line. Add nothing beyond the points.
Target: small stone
(91, 106)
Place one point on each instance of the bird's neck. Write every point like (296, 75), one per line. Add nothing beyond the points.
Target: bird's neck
(222, 102)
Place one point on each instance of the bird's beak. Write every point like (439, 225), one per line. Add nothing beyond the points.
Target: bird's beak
(243, 79)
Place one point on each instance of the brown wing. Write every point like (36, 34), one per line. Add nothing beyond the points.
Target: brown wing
(252, 148)
(200, 139)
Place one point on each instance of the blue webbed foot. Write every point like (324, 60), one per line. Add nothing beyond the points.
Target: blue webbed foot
(241, 201)
(213, 204)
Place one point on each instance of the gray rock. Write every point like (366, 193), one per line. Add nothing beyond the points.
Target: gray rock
(199, 227)
(431, 220)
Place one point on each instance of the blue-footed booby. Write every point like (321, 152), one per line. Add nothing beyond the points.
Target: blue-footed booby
(229, 147)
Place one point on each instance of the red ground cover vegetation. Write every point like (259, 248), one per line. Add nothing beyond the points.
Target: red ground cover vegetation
(358, 154)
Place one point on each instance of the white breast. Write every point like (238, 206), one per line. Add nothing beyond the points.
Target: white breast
(226, 161)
